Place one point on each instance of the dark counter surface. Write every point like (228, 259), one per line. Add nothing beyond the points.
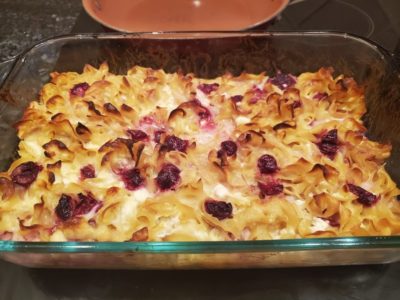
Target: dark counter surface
(333, 283)
(25, 22)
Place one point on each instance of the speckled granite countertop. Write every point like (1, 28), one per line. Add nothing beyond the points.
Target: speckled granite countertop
(24, 22)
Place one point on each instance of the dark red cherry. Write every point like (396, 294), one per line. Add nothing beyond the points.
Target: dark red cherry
(88, 172)
(208, 88)
(329, 143)
(283, 81)
(267, 164)
(172, 142)
(79, 89)
(229, 147)
(168, 177)
(364, 197)
(218, 209)
(25, 174)
(330, 137)
(137, 135)
(334, 220)
(85, 204)
(320, 96)
(237, 98)
(65, 207)
(270, 188)
(132, 178)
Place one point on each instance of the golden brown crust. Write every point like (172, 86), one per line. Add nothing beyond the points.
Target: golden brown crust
(96, 151)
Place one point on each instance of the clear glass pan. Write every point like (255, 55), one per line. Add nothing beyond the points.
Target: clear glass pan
(208, 54)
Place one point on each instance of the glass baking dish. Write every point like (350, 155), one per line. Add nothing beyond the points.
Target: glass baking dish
(208, 54)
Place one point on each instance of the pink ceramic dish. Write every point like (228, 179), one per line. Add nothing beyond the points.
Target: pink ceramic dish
(182, 15)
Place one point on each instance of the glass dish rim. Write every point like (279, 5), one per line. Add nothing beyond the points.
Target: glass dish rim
(283, 245)
(20, 58)
(325, 243)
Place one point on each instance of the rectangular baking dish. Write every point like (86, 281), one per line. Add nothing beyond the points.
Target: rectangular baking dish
(207, 54)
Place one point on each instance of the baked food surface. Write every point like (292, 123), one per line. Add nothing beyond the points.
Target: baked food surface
(151, 156)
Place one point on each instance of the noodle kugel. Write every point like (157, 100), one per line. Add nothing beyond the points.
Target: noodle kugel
(151, 156)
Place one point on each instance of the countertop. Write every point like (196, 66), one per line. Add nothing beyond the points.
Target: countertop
(25, 22)
(333, 283)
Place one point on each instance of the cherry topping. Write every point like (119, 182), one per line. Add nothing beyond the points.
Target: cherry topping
(364, 197)
(320, 96)
(168, 177)
(328, 149)
(132, 178)
(137, 135)
(65, 207)
(257, 94)
(88, 172)
(204, 113)
(149, 120)
(208, 88)
(86, 204)
(283, 81)
(329, 143)
(237, 98)
(218, 209)
(267, 164)
(25, 174)
(172, 142)
(229, 147)
(79, 89)
(331, 137)
(334, 220)
(270, 188)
